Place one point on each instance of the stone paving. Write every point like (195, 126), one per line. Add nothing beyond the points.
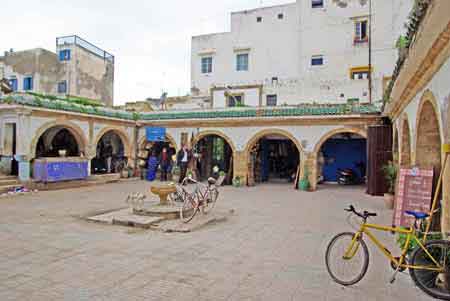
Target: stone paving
(272, 248)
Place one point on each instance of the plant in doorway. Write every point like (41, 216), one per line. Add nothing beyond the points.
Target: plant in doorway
(304, 184)
(390, 174)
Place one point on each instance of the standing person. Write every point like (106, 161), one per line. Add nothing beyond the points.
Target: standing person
(165, 163)
(184, 156)
(108, 155)
(152, 166)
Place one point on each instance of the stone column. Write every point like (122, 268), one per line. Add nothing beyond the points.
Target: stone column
(240, 165)
(309, 161)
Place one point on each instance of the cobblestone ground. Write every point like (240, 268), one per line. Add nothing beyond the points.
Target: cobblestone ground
(271, 249)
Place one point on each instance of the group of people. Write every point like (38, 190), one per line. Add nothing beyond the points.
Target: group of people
(165, 162)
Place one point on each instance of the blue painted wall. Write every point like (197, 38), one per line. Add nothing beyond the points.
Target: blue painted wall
(343, 153)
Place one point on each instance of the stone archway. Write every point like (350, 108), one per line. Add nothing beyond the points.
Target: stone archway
(123, 136)
(169, 138)
(252, 154)
(316, 164)
(53, 127)
(428, 134)
(405, 143)
(214, 148)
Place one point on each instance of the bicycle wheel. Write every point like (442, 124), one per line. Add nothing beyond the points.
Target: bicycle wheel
(434, 283)
(188, 210)
(346, 271)
(211, 199)
(175, 197)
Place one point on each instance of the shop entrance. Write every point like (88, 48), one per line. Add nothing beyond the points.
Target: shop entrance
(110, 154)
(213, 156)
(150, 155)
(273, 158)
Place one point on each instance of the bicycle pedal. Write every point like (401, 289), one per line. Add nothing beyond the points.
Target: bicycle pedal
(392, 280)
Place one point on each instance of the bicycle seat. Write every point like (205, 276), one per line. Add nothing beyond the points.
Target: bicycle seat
(417, 215)
(211, 181)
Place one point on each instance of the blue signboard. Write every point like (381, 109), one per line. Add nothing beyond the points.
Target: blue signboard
(154, 134)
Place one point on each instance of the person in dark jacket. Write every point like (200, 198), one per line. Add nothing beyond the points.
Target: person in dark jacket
(184, 156)
(165, 162)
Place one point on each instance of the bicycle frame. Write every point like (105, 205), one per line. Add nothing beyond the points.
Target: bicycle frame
(411, 235)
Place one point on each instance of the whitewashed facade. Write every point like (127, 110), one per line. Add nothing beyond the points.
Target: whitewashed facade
(303, 52)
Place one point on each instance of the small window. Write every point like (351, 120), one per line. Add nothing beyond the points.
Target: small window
(316, 3)
(206, 64)
(259, 19)
(28, 83)
(64, 55)
(360, 73)
(271, 100)
(242, 62)
(234, 101)
(317, 60)
(361, 33)
(280, 16)
(62, 87)
(13, 84)
(274, 80)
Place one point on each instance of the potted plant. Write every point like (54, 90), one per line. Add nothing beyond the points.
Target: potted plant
(237, 182)
(304, 184)
(390, 174)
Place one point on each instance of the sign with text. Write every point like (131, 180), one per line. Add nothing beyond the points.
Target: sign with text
(414, 192)
(155, 134)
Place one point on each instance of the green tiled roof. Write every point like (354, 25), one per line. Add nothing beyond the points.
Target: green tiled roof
(245, 112)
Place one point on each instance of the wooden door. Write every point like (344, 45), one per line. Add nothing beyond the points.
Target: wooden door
(379, 152)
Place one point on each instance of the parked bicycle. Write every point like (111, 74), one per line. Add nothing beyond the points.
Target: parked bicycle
(347, 256)
(203, 198)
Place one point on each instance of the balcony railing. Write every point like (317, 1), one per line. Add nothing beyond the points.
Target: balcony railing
(76, 40)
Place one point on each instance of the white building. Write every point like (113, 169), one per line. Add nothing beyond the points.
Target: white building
(303, 52)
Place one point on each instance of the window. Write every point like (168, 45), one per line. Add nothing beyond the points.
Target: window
(242, 62)
(28, 83)
(361, 35)
(234, 101)
(271, 100)
(64, 55)
(280, 16)
(13, 83)
(360, 72)
(62, 87)
(206, 64)
(316, 3)
(317, 60)
(259, 19)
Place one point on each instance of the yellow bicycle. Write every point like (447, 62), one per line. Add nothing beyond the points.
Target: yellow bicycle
(347, 256)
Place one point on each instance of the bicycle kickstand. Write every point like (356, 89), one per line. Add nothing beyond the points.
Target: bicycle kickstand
(400, 260)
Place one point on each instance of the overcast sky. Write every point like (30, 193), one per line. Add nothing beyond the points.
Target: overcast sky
(149, 38)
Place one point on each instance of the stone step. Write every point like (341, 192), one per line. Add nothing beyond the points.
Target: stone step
(7, 181)
(7, 177)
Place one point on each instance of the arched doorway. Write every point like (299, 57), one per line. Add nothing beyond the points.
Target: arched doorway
(110, 155)
(213, 152)
(273, 157)
(405, 145)
(58, 141)
(148, 149)
(342, 157)
(428, 142)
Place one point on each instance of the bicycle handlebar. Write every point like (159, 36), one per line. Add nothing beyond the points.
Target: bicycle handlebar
(363, 215)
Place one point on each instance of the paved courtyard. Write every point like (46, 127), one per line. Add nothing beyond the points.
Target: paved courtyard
(272, 248)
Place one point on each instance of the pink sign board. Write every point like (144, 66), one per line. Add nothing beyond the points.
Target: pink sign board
(414, 192)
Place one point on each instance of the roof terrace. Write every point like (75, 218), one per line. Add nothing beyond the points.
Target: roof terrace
(76, 40)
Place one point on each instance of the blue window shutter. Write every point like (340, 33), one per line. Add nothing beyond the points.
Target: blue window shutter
(61, 55)
(68, 54)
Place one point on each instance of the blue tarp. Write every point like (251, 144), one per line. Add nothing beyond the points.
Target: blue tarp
(60, 171)
(155, 134)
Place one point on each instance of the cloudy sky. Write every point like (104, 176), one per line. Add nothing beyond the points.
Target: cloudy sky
(149, 38)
